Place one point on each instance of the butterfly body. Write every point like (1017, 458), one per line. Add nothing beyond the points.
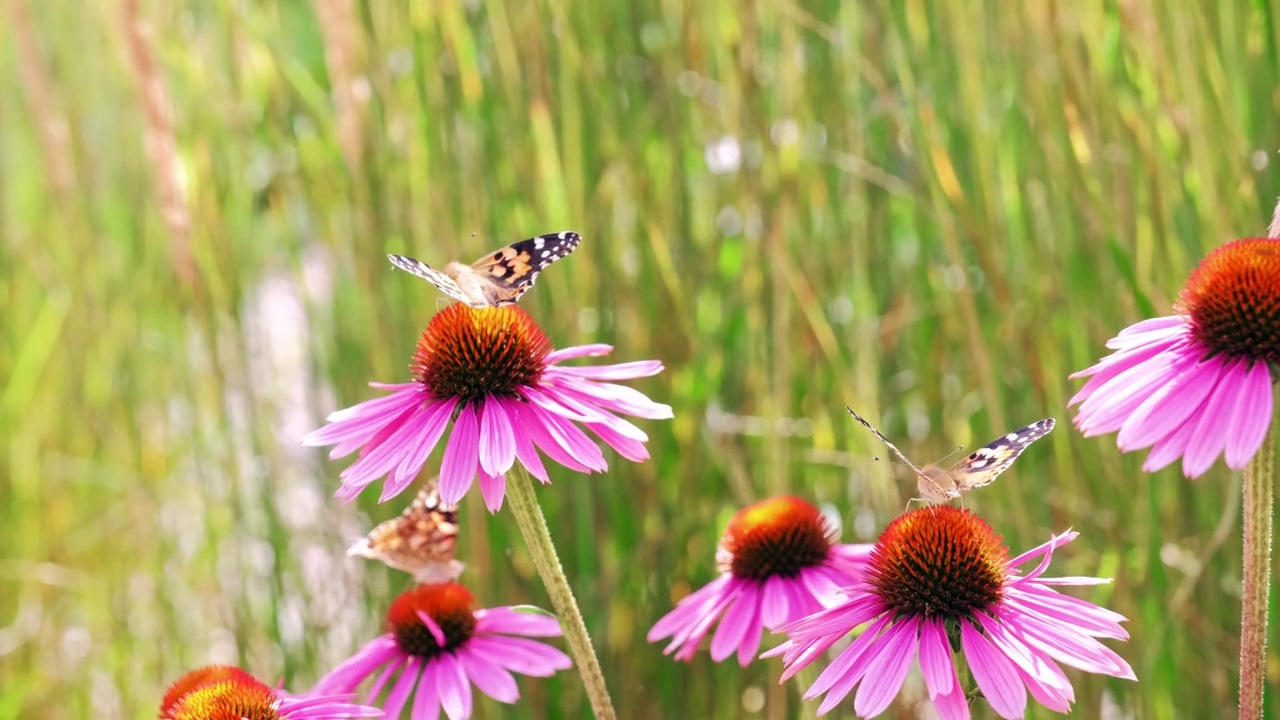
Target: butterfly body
(982, 466)
(422, 541)
(498, 278)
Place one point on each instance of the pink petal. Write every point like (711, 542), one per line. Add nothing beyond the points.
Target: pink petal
(461, 455)
(1172, 446)
(849, 666)
(392, 668)
(774, 605)
(626, 447)
(691, 606)
(737, 622)
(1107, 409)
(492, 680)
(399, 694)
(352, 671)
(384, 406)
(1165, 410)
(493, 490)
(519, 655)
(426, 704)
(497, 445)
(436, 419)
(525, 450)
(504, 620)
(385, 450)
(455, 691)
(618, 398)
(1252, 416)
(578, 351)
(432, 627)
(995, 674)
(551, 403)
(562, 436)
(620, 371)
(936, 666)
(885, 674)
(1210, 436)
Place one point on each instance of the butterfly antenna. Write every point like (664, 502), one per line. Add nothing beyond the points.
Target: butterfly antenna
(953, 452)
(884, 440)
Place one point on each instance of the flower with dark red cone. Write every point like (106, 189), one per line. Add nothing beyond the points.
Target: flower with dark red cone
(493, 375)
(1197, 384)
(223, 692)
(437, 645)
(779, 561)
(940, 581)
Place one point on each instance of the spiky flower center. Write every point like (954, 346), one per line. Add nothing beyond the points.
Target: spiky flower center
(198, 677)
(220, 693)
(939, 562)
(475, 353)
(1233, 300)
(777, 537)
(449, 605)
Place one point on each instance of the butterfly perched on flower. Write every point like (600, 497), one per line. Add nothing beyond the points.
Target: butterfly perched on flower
(421, 541)
(498, 278)
(982, 467)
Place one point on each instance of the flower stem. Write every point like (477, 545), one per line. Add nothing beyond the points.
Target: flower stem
(533, 526)
(1259, 494)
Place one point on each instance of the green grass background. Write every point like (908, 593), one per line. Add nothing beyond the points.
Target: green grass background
(931, 211)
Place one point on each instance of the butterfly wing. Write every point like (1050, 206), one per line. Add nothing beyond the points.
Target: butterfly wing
(986, 463)
(431, 275)
(507, 274)
(422, 541)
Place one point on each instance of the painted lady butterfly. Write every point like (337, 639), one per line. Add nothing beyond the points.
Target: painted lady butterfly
(499, 278)
(937, 485)
(421, 542)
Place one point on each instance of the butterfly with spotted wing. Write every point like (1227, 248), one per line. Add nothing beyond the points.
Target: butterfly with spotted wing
(500, 277)
(422, 541)
(982, 467)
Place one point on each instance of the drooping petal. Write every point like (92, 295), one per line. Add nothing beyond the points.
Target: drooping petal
(995, 674)
(426, 702)
(497, 444)
(1167, 407)
(935, 659)
(1210, 437)
(436, 419)
(740, 620)
(455, 691)
(492, 679)
(461, 457)
(493, 489)
(1251, 417)
(400, 692)
(885, 675)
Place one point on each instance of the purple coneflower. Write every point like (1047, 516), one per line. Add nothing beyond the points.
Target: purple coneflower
(222, 692)
(779, 561)
(492, 373)
(1199, 382)
(438, 644)
(940, 581)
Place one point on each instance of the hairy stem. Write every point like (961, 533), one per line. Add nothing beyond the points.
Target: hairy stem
(1259, 494)
(533, 526)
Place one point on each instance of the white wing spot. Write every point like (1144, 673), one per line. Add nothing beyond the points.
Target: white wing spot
(537, 244)
(1011, 436)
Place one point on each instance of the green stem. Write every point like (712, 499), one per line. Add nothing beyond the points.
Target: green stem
(533, 526)
(1259, 494)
